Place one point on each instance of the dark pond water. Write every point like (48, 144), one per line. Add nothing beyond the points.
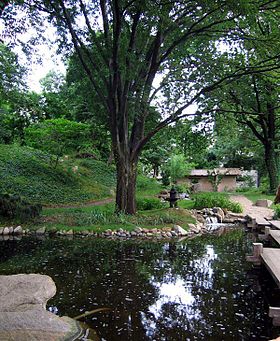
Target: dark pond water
(200, 289)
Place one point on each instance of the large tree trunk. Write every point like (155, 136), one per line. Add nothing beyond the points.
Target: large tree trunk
(271, 163)
(126, 185)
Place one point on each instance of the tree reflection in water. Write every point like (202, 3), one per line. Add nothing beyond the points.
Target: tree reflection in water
(193, 290)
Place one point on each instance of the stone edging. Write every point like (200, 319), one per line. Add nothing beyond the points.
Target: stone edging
(176, 231)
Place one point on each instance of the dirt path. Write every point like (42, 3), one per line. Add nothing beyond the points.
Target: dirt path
(250, 209)
(86, 204)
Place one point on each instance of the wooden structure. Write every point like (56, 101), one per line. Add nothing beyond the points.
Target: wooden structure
(257, 222)
(270, 257)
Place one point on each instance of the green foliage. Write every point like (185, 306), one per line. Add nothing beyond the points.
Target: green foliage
(104, 217)
(11, 73)
(144, 182)
(14, 207)
(277, 211)
(177, 167)
(57, 136)
(26, 172)
(145, 204)
(204, 200)
(182, 188)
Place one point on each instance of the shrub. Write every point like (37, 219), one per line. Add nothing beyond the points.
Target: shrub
(277, 211)
(204, 200)
(144, 204)
(182, 188)
(13, 207)
(143, 182)
(57, 136)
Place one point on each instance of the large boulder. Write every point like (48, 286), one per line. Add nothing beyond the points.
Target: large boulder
(23, 314)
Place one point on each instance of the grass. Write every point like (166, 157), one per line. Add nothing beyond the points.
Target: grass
(27, 172)
(101, 218)
(254, 195)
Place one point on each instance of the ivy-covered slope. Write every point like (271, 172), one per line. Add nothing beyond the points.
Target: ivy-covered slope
(28, 172)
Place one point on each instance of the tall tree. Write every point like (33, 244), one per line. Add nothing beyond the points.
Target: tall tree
(127, 47)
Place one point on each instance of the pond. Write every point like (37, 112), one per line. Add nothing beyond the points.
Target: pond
(199, 289)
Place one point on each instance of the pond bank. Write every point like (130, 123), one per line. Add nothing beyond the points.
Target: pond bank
(206, 221)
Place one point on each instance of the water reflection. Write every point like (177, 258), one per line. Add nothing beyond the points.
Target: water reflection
(195, 290)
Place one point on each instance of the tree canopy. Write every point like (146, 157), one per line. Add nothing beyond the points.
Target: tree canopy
(138, 54)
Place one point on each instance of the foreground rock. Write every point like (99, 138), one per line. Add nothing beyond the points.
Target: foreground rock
(23, 314)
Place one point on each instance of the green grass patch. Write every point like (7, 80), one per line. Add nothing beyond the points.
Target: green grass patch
(214, 199)
(276, 211)
(254, 195)
(101, 218)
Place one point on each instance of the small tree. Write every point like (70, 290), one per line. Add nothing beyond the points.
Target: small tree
(178, 167)
(57, 136)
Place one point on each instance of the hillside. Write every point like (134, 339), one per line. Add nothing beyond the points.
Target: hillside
(28, 172)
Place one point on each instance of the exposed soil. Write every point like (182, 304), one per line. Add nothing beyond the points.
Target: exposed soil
(252, 210)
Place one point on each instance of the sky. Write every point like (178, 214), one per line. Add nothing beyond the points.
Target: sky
(39, 71)
(44, 60)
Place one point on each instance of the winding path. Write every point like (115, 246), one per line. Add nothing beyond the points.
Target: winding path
(85, 204)
(252, 210)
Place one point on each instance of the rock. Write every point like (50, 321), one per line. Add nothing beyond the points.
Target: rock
(235, 215)
(228, 220)
(219, 217)
(85, 232)
(195, 228)
(41, 231)
(263, 203)
(219, 212)
(1, 230)
(23, 310)
(6, 231)
(133, 234)
(166, 229)
(18, 230)
(180, 231)
(168, 235)
(138, 229)
(11, 230)
(52, 231)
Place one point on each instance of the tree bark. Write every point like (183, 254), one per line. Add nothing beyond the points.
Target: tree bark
(126, 185)
(271, 163)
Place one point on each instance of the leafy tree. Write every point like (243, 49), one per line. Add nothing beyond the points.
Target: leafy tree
(131, 43)
(177, 167)
(11, 73)
(55, 99)
(57, 136)
(253, 100)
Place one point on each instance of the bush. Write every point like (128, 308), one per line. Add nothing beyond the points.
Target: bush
(210, 200)
(180, 188)
(13, 207)
(144, 204)
(277, 211)
(143, 182)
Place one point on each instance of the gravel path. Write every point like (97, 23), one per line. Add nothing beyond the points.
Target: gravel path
(250, 209)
